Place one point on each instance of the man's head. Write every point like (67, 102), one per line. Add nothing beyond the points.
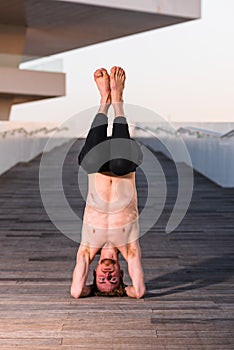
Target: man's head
(108, 278)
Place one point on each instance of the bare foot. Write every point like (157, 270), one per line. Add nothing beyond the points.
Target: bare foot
(117, 80)
(102, 80)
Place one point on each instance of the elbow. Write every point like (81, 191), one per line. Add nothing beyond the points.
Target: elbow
(140, 293)
(75, 293)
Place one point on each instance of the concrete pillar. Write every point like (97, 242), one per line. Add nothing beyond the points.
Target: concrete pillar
(5, 107)
(12, 41)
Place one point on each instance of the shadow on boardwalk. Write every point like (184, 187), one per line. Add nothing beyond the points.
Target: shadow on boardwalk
(201, 275)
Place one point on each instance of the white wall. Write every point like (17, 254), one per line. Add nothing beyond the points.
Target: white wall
(18, 145)
(211, 156)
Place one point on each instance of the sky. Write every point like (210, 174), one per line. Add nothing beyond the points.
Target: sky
(184, 72)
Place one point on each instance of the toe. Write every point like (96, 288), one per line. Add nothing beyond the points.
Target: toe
(104, 71)
(97, 73)
(113, 69)
(120, 71)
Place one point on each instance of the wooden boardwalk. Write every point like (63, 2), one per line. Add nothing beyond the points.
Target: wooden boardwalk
(189, 274)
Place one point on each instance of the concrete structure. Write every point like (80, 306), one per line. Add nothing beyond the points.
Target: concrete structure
(37, 28)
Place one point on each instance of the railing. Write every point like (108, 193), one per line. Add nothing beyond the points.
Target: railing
(192, 131)
(229, 134)
(26, 133)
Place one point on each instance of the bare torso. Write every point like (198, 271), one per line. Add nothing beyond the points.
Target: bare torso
(111, 213)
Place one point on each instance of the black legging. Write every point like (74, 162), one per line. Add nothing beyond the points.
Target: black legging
(118, 154)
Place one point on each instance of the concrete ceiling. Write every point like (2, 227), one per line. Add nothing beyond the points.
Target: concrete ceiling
(57, 26)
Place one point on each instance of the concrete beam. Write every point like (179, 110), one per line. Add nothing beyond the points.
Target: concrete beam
(19, 86)
(62, 25)
(182, 8)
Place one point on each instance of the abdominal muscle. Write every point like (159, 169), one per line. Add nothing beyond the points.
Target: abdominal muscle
(111, 213)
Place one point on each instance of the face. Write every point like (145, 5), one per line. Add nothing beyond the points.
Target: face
(108, 275)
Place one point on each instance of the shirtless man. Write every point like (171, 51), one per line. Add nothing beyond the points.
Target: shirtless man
(110, 223)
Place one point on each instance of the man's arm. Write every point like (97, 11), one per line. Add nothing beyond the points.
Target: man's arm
(137, 290)
(80, 274)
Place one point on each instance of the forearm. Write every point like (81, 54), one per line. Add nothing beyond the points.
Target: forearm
(136, 273)
(78, 285)
(137, 290)
(80, 274)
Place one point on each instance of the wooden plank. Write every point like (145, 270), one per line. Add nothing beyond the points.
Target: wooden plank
(189, 302)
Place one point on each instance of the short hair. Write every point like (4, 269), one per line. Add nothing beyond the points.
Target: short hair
(118, 292)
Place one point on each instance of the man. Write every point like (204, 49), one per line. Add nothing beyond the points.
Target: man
(110, 223)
